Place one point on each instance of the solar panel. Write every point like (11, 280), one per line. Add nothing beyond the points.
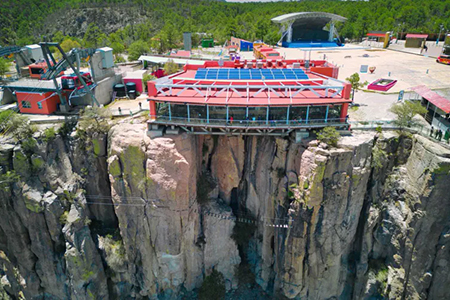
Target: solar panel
(247, 74)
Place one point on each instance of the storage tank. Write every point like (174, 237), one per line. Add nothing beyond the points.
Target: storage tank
(120, 90)
(131, 86)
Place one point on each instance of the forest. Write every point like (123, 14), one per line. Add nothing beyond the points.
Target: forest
(163, 22)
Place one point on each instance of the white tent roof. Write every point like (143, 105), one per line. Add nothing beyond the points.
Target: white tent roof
(301, 15)
(162, 60)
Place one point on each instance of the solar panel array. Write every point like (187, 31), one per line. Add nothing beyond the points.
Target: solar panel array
(250, 74)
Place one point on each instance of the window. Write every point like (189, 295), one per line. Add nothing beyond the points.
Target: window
(26, 104)
(39, 105)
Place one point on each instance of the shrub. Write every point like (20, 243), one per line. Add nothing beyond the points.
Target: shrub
(329, 136)
(243, 232)
(244, 274)
(146, 78)
(119, 59)
(29, 145)
(405, 112)
(213, 287)
(378, 157)
(379, 129)
(94, 120)
(115, 252)
(49, 134)
(63, 217)
(170, 67)
(66, 128)
(7, 179)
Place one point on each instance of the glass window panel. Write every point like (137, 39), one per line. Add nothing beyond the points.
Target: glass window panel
(317, 113)
(334, 112)
(278, 113)
(179, 111)
(197, 113)
(162, 110)
(217, 114)
(257, 114)
(237, 114)
(298, 114)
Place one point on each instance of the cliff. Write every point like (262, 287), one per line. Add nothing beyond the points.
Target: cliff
(119, 215)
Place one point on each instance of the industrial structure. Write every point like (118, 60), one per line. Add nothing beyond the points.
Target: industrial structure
(46, 88)
(308, 29)
(249, 98)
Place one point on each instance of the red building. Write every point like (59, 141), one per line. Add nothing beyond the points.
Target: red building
(250, 96)
(37, 102)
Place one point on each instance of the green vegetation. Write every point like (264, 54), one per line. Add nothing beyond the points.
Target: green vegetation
(164, 21)
(356, 83)
(170, 67)
(213, 287)
(137, 49)
(244, 274)
(93, 120)
(16, 125)
(115, 252)
(146, 78)
(7, 179)
(243, 232)
(49, 134)
(63, 217)
(405, 112)
(379, 129)
(378, 157)
(329, 136)
(4, 66)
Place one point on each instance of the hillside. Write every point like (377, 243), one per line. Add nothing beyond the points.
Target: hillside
(26, 21)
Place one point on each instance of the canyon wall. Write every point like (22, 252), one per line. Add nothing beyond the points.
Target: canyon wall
(122, 216)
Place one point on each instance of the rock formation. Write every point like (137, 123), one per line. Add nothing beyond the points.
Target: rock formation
(122, 216)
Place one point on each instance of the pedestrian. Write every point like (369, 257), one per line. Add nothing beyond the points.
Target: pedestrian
(231, 120)
(431, 130)
(425, 47)
(440, 135)
(447, 135)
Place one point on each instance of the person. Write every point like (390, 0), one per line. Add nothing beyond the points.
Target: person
(439, 135)
(425, 47)
(431, 130)
(447, 135)
(346, 118)
(231, 120)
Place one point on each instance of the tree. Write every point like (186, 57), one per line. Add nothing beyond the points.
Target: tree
(58, 37)
(329, 136)
(93, 36)
(4, 66)
(213, 287)
(406, 111)
(170, 67)
(68, 44)
(146, 78)
(356, 84)
(137, 49)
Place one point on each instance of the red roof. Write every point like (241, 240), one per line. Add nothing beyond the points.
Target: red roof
(182, 53)
(416, 36)
(376, 34)
(434, 98)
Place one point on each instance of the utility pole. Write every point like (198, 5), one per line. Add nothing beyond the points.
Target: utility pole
(441, 27)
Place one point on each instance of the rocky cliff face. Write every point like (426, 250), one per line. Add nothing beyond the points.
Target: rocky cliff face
(123, 216)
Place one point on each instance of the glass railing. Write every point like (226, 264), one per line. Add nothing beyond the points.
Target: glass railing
(250, 123)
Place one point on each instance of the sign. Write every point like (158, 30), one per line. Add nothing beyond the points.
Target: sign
(364, 68)
(400, 95)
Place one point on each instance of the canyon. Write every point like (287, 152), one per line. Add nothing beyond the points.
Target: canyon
(123, 216)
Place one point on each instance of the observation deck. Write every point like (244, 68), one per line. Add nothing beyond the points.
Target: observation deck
(250, 97)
